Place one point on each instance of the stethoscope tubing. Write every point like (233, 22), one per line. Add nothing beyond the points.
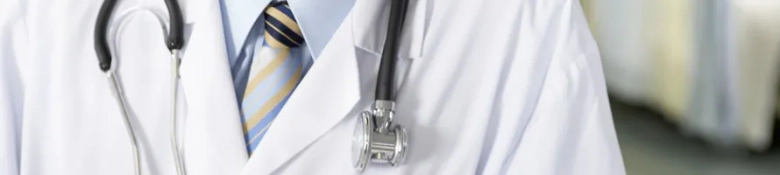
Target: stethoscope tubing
(174, 42)
(386, 75)
(120, 98)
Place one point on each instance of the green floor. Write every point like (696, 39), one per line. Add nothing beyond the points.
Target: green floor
(652, 146)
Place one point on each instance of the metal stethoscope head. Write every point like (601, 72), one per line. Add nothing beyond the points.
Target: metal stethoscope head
(174, 42)
(376, 138)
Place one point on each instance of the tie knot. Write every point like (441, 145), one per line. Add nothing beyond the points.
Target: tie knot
(281, 28)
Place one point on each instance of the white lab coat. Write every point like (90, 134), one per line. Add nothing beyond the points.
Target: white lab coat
(500, 87)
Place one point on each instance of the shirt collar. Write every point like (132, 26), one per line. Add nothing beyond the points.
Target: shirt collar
(318, 20)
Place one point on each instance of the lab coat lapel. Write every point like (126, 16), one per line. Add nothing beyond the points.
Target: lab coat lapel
(331, 90)
(370, 19)
(328, 92)
(212, 139)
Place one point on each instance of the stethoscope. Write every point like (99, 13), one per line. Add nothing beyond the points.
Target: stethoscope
(174, 42)
(376, 138)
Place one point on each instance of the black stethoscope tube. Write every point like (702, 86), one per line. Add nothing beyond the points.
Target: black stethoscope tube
(101, 27)
(174, 42)
(176, 33)
(175, 38)
(385, 79)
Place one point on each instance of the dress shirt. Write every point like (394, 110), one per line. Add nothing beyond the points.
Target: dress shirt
(318, 21)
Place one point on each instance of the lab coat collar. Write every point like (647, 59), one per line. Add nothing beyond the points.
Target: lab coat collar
(318, 19)
(370, 27)
(328, 92)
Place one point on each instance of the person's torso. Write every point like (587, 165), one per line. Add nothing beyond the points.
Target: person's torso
(451, 78)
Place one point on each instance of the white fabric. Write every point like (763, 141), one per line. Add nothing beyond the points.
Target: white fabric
(11, 94)
(509, 87)
(758, 42)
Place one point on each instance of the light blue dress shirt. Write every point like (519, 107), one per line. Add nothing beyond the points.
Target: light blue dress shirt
(318, 21)
(240, 69)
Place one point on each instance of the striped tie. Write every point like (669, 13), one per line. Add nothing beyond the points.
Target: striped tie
(274, 73)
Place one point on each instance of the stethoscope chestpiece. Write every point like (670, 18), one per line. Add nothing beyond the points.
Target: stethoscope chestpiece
(377, 139)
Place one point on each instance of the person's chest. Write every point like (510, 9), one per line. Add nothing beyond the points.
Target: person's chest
(449, 88)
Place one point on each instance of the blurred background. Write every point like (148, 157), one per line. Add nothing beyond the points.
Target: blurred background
(693, 83)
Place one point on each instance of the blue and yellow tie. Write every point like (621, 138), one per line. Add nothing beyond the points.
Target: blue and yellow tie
(274, 73)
